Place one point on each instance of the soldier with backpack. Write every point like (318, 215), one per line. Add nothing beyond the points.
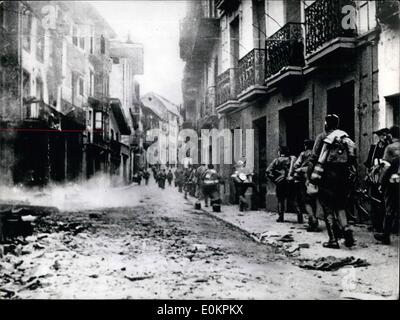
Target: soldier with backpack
(278, 173)
(332, 164)
(306, 203)
(209, 184)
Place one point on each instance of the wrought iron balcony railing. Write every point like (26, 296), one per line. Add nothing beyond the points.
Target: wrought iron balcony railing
(226, 86)
(387, 11)
(324, 22)
(285, 48)
(251, 69)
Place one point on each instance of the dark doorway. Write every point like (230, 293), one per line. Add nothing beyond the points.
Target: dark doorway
(260, 158)
(393, 110)
(293, 122)
(341, 102)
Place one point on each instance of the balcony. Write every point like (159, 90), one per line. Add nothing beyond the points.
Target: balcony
(251, 75)
(40, 115)
(387, 12)
(285, 54)
(197, 37)
(326, 38)
(227, 91)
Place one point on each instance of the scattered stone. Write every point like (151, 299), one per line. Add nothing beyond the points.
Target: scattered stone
(138, 278)
(38, 246)
(56, 265)
(94, 276)
(304, 245)
(286, 238)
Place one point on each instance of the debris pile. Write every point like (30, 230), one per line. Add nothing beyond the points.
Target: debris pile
(18, 219)
(331, 263)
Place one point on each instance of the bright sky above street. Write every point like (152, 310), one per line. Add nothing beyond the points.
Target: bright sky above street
(154, 23)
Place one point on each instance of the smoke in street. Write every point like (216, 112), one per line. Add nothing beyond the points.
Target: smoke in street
(94, 193)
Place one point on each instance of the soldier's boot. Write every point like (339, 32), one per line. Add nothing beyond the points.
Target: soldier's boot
(300, 217)
(281, 211)
(332, 242)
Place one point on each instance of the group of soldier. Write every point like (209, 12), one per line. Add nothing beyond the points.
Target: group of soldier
(201, 182)
(321, 176)
(325, 173)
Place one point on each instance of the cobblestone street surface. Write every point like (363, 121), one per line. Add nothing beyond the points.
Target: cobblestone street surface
(158, 247)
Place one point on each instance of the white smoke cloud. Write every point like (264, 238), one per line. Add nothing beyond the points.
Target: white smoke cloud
(95, 193)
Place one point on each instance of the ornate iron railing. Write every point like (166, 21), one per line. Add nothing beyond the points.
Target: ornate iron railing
(386, 11)
(226, 86)
(285, 48)
(324, 22)
(251, 69)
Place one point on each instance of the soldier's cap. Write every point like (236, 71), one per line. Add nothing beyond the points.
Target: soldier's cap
(381, 131)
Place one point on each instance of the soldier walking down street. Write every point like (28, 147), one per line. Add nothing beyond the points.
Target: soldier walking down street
(374, 167)
(161, 177)
(146, 176)
(170, 177)
(278, 172)
(332, 163)
(210, 180)
(390, 182)
(243, 179)
(306, 203)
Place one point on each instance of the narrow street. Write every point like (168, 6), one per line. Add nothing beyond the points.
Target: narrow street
(160, 248)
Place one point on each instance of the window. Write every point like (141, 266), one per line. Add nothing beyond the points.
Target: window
(26, 31)
(82, 43)
(117, 136)
(81, 87)
(91, 83)
(89, 120)
(2, 15)
(91, 45)
(39, 89)
(40, 42)
(26, 82)
(115, 60)
(98, 121)
(102, 45)
(112, 134)
(75, 35)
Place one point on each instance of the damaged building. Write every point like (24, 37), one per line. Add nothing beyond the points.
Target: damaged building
(57, 112)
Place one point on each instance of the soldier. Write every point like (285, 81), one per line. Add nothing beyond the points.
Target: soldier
(161, 177)
(209, 184)
(278, 173)
(188, 179)
(332, 163)
(390, 184)
(306, 203)
(373, 164)
(146, 176)
(243, 179)
(170, 176)
(199, 172)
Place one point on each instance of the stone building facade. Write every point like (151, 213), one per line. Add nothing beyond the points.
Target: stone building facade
(279, 67)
